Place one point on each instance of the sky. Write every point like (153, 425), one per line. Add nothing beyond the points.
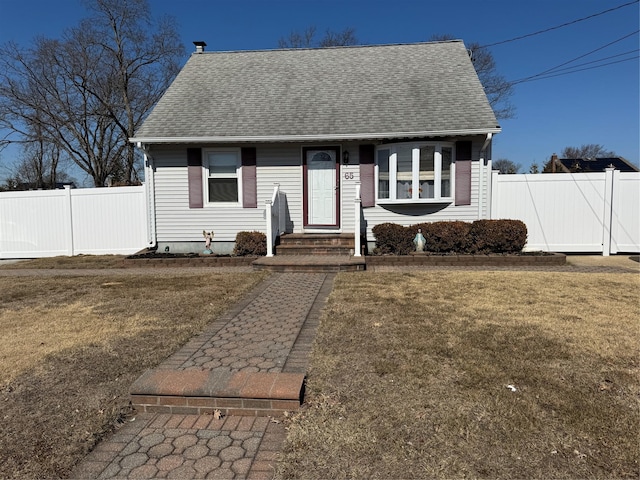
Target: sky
(595, 105)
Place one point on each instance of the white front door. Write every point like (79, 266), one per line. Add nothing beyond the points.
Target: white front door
(322, 187)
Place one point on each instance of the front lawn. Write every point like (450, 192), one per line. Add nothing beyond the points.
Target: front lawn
(472, 374)
(72, 346)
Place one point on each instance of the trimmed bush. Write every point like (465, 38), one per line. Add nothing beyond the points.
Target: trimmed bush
(392, 238)
(497, 236)
(250, 243)
(445, 237)
(455, 237)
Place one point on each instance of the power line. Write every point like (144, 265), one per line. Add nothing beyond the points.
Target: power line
(596, 61)
(533, 79)
(550, 70)
(559, 26)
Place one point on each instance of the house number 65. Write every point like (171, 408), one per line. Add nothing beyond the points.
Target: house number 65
(348, 175)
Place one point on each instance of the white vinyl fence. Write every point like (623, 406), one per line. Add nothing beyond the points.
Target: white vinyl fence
(572, 212)
(95, 221)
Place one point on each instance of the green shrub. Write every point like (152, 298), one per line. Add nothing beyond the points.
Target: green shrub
(497, 236)
(445, 237)
(250, 243)
(393, 238)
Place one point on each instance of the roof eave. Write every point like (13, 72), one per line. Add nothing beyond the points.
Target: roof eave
(311, 138)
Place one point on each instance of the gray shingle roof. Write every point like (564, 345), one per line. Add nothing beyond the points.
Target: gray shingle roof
(345, 92)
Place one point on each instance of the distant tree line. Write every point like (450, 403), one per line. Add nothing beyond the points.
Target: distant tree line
(79, 98)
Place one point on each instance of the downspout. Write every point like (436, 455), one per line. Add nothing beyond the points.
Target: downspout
(150, 193)
(482, 173)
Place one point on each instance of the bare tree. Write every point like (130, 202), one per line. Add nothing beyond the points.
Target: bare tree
(498, 90)
(591, 150)
(506, 166)
(307, 39)
(88, 91)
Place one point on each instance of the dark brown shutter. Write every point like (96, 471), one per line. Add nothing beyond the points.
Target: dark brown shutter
(194, 175)
(463, 173)
(249, 182)
(367, 175)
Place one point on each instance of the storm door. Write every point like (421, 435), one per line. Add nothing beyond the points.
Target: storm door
(321, 187)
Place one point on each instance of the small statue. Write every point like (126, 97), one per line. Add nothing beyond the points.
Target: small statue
(207, 243)
(419, 241)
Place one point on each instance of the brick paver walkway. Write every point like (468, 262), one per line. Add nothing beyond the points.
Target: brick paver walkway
(270, 331)
(187, 446)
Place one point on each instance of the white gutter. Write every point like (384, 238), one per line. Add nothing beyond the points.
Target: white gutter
(482, 172)
(310, 138)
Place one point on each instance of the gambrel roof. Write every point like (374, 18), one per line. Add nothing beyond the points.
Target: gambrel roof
(364, 92)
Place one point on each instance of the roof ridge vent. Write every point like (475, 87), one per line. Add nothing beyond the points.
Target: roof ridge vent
(200, 46)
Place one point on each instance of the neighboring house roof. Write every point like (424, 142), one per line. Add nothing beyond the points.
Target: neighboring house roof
(363, 92)
(577, 165)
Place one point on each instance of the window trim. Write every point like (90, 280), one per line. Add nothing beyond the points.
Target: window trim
(415, 173)
(207, 174)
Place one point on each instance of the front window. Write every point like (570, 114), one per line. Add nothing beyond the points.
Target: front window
(415, 172)
(222, 175)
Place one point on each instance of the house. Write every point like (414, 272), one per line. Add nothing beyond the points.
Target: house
(586, 165)
(342, 138)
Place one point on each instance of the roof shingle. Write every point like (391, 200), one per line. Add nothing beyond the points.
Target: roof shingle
(343, 92)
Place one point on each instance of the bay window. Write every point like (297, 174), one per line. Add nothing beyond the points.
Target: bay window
(415, 172)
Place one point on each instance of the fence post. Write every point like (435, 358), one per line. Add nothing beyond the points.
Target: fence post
(69, 215)
(607, 217)
(492, 201)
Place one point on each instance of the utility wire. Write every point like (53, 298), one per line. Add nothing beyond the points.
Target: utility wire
(597, 61)
(550, 70)
(572, 71)
(559, 26)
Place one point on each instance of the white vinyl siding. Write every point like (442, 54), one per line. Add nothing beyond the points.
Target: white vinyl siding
(176, 222)
(282, 164)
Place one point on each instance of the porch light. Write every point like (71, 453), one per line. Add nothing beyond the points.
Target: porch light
(345, 157)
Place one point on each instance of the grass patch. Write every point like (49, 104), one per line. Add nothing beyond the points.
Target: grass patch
(410, 378)
(72, 346)
(75, 262)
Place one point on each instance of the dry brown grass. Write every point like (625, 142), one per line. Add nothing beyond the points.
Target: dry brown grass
(72, 346)
(75, 262)
(410, 373)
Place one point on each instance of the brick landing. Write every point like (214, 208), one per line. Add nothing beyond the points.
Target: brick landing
(251, 361)
(202, 392)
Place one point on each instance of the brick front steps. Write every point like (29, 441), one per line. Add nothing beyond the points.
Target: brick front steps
(202, 392)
